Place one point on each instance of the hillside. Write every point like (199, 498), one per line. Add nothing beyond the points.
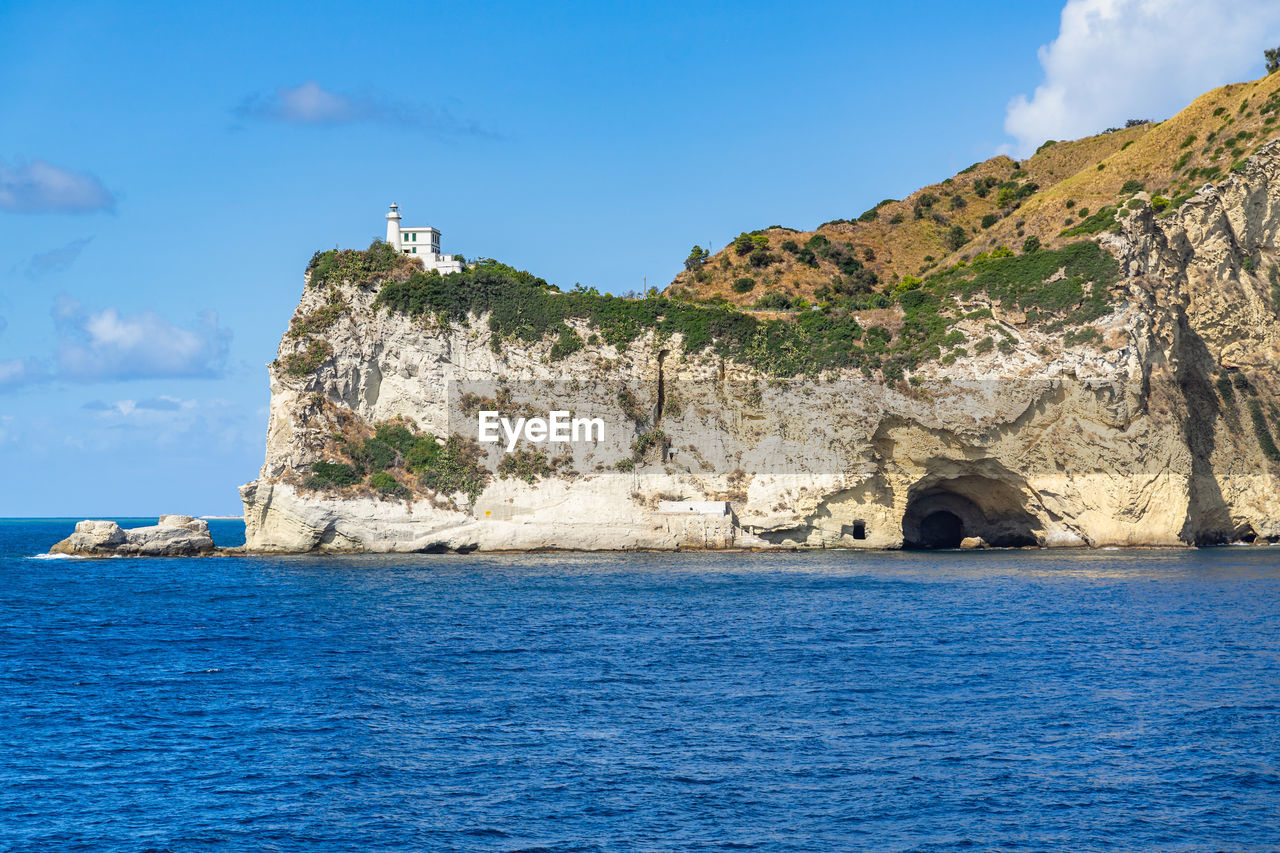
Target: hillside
(1066, 191)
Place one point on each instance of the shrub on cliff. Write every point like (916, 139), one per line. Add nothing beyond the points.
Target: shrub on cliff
(388, 485)
(455, 468)
(299, 364)
(326, 475)
(1100, 221)
(335, 266)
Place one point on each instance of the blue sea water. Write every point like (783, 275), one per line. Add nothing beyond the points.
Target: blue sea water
(823, 701)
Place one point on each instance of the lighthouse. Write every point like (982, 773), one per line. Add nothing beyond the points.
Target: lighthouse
(421, 243)
(393, 226)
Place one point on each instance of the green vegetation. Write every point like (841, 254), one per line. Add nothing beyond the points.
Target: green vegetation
(524, 308)
(359, 268)
(697, 257)
(1031, 244)
(990, 219)
(956, 237)
(1022, 282)
(1159, 203)
(1132, 186)
(299, 364)
(1272, 58)
(1100, 221)
(750, 241)
(319, 319)
(388, 485)
(744, 285)
(529, 465)
(326, 475)
(443, 469)
(1273, 275)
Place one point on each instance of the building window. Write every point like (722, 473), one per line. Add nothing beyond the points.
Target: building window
(415, 250)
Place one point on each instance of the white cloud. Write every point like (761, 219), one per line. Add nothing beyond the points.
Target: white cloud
(108, 345)
(40, 187)
(1119, 59)
(308, 103)
(311, 104)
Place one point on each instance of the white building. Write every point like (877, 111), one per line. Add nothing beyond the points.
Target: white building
(422, 243)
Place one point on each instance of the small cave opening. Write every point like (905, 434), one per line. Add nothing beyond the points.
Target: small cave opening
(942, 513)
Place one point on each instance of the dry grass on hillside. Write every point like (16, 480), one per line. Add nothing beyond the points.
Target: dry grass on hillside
(1072, 181)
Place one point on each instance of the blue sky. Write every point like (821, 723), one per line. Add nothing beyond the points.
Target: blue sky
(166, 171)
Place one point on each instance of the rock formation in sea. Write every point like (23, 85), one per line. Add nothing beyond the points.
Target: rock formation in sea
(1076, 350)
(172, 536)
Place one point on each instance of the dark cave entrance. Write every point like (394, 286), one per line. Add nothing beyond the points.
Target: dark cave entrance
(941, 529)
(943, 512)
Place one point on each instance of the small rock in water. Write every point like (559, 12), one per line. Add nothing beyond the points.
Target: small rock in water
(174, 536)
(971, 543)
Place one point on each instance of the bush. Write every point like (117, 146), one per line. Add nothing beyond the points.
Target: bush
(320, 319)
(956, 237)
(744, 285)
(299, 364)
(526, 464)
(990, 219)
(455, 468)
(1100, 221)
(326, 475)
(1159, 203)
(774, 302)
(567, 343)
(748, 242)
(1132, 186)
(385, 484)
(761, 258)
(982, 186)
(1031, 244)
(379, 261)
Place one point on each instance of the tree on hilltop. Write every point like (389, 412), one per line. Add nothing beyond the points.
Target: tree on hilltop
(1273, 59)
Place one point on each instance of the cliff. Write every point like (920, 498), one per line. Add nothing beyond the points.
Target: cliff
(1111, 387)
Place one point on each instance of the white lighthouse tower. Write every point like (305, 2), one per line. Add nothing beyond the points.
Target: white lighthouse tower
(421, 243)
(393, 226)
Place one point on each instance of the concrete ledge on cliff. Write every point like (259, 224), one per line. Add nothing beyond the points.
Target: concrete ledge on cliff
(174, 536)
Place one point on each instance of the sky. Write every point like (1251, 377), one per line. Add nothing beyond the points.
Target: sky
(166, 171)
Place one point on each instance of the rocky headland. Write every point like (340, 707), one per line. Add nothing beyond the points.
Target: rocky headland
(1077, 350)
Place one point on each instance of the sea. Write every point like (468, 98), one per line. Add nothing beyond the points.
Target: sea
(821, 701)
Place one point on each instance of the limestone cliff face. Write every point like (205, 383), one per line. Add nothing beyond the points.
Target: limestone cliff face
(1150, 435)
